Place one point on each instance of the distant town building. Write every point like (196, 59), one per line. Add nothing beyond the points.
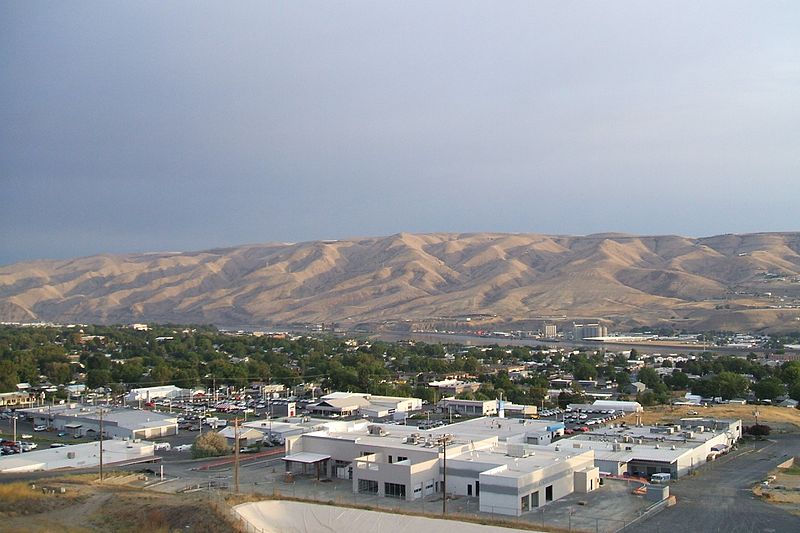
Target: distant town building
(452, 387)
(550, 331)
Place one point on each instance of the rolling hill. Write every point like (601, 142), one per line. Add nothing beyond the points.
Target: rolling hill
(731, 282)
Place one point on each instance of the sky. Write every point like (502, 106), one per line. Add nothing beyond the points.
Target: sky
(186, 125)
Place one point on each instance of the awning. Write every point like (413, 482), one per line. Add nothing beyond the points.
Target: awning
(72, 426)
(306, 457)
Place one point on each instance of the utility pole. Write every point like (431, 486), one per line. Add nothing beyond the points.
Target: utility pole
(101, 445)
(236, 453)
(444, 441)
(14, 420)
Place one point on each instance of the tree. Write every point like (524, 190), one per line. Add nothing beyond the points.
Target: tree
(730, 385)
(768, 389)
(8, 376)
(794, 390)
(585, 370)
(210, 444)
(677, 381)
(649, 377)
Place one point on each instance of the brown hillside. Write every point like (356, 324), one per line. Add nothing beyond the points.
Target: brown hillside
(722, 282)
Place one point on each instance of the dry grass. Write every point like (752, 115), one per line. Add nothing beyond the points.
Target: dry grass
(777, 417)
(91, 507)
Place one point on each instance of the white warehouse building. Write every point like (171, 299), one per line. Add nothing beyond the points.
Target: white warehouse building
(84, 421)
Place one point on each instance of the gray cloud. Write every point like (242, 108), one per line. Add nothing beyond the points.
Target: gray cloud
(149, 126)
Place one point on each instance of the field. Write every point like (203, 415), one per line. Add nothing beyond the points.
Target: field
(779, 418)
(87, 507)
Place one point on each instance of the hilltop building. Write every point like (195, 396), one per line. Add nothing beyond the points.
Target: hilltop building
(487, 458)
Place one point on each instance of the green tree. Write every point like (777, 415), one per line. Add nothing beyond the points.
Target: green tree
(649, 377)
(8, 376)
(768, 389)
(730, 385)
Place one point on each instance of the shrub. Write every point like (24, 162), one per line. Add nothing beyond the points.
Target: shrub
(210, 444)
(756, 430)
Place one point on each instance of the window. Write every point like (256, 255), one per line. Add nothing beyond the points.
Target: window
(367, 486)
(469, 489)
(525, 503)
(477, 488)
(394, 490)
(548, 493)
(401, 458)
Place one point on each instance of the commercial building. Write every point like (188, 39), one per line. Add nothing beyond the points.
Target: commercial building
(486, 458)
(148, 394)
(343, 404)
(468, 407)
(122, 423)
(15, 400)
(647, 450)
(549, 331)
(115, 452)
(608, 405)
(453, 387)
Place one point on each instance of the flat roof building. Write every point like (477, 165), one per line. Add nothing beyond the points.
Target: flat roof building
(647, 450)
(115, 452)
(489, 459)
(121, 423)
(357, 403)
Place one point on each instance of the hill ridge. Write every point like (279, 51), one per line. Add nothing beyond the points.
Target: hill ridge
(717, 282)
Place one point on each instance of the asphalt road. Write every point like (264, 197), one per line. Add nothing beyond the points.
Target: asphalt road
(719, 498)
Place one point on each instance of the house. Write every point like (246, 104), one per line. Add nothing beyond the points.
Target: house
(634, 388)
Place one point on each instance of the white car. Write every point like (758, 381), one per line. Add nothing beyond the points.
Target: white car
(163, 446)
(40, 428)
(183, 448)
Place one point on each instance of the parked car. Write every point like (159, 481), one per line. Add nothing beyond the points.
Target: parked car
(40, 428)
(182, 448)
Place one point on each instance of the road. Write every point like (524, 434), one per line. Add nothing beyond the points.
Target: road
(719, 498)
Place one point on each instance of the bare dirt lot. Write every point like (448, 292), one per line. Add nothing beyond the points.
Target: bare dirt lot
(87, 506)
(783, 490)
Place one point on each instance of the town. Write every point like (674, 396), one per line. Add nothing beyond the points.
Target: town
(521, 433)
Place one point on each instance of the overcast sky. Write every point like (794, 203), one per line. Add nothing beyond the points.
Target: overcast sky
(145, 126)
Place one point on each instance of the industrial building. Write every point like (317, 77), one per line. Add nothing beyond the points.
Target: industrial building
(117, 422)
(487, 458)
(646, 450)
(588, 331)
